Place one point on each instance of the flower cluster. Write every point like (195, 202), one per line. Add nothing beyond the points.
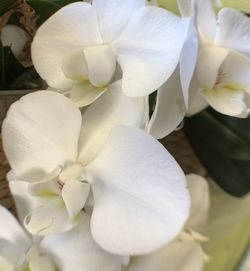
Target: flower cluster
(93, 187)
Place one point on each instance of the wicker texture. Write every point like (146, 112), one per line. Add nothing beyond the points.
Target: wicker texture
(5, 196)
(178, 145)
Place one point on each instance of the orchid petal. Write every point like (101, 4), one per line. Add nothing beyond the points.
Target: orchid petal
(49, 218)
(48, 186)
(140, 195)
(113, 108)
(177, 256)
(73, 27)
(41, 263)
(196, 105)
(196, 101)
(75, 194)
(84, 94)
(233, 30)
(101, 64)
(206, 21)
(227, 101)
(71, 172)
(210, 59)
(11, 230)
(87, 254)
(40, 132)
(185, 7)
(188, 59)
(5, 265)
(200, 201)
(235, 70)
(114, 15)
(13, 240)
(169, 110)
(149, 49)
(11, 254)
(24, 202)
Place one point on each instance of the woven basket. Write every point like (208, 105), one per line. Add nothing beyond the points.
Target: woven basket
(7, 97)
(5, 196)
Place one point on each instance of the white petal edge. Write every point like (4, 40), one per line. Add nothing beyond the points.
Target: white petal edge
(200, 201)
(86, 253)
(39, 133)
(24, 202)
(177, 256)
(197, 102)
(189, 56)
(140, 195)
(169, 109)
(206, 21)
(209, 61)
(114, 15)
(149, 49)
(235, 70)
(112, 109)
(233, 30)
(185, 7)
(5, 265)
(227, 101)
(83, 94)
(75, 195)
(73, 27)
(13, 239)
(49, 217)
(41, 263)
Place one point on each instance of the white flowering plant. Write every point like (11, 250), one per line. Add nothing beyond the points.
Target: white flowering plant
(93, 186)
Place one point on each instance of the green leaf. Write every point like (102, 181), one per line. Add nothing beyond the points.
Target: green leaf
(223, 145)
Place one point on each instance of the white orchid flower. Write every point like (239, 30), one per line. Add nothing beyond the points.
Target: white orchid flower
(169, 109)
(183, 254)
(177, 256)
(17, 249)
(173, 96)
(73, 250)
(220, 76)
(222, 72)
(78, 48)
(14, 37)
(140, 200)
